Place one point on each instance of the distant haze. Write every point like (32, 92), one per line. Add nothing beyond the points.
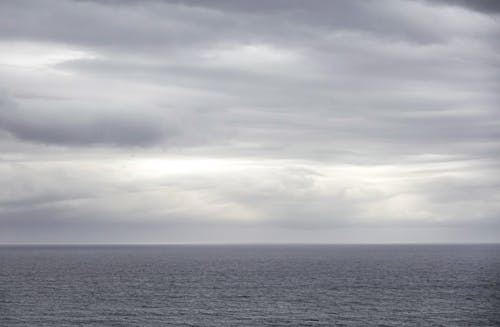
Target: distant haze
(249, 121)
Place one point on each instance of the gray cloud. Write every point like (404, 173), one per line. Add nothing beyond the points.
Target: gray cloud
(486, 6)
(75, 126)
(190, 24)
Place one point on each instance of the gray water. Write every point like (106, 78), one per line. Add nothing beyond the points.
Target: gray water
(293, 285)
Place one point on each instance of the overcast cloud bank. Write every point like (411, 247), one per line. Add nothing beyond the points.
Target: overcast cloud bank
(243, 121)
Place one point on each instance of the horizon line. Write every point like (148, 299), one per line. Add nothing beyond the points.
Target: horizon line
(236, 243)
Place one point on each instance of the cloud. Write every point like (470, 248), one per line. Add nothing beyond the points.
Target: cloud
(117, 197)
(281, 118)
(486, 6)
(82, 126)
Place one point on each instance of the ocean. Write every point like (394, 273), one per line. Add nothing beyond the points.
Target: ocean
(250, 285)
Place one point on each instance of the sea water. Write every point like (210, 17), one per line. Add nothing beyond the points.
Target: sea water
(250, 285)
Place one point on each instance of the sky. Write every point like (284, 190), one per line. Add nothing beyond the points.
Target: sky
(234, 121)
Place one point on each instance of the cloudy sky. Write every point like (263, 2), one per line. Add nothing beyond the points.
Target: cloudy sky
(249, 121)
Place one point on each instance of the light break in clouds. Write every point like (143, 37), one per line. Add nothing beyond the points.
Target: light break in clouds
(249, 121)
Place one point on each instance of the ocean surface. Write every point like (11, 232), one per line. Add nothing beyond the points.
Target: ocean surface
(250, 285)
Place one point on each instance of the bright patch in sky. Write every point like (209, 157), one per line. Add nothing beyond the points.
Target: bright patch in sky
(33, 55)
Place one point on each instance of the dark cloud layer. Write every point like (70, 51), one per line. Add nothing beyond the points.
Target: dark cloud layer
(82, 127)
(486, 6)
